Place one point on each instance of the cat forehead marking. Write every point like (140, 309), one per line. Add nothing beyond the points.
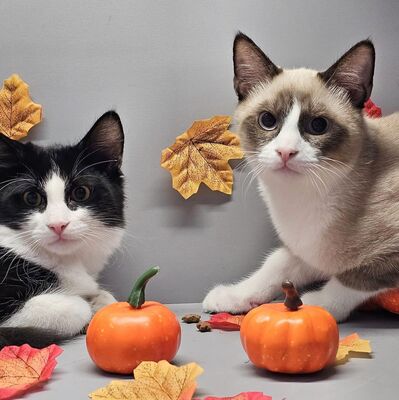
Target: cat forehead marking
(55, 188)
(289, 135)
(302, 84)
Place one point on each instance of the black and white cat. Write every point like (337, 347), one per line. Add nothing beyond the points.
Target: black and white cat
(328, 174)
(61, 218)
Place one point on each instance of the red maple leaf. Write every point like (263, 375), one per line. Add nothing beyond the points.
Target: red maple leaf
(24, 367)
(226, 321)
(243, 396)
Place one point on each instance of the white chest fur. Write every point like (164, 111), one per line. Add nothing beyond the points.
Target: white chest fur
(77, 272)
(301, 218)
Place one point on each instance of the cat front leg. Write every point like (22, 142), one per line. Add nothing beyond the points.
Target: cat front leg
(79, 282)
(101, 299)
(65, 314)
(262, 286)
(338, 299)
(76, 280)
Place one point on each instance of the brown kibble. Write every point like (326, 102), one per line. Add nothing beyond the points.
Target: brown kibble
(191, 318)
(204, 326)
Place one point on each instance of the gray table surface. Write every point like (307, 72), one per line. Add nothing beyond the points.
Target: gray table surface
(228, 372)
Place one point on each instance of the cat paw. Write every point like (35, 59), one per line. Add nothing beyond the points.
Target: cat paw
(228, 299)
(102, 299)
(338, 311)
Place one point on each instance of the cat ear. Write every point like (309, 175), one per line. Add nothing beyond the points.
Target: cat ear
(354, 72)
(251, 66)
(106, 138)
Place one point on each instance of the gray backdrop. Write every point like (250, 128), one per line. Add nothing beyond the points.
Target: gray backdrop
(162, 64)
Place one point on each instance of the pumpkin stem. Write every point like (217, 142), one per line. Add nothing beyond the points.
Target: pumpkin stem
(292, 299)
(137, 297)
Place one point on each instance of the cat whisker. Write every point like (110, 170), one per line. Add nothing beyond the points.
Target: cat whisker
(313, 182)
(338, 163)
(250, 172)
(80, 159)
(334, 170)
(94, 164)
(8, 270)
(242, 163)
(323, 168)
(311, 175)
(255, 173)
(318, 177)
(12, 181)
(30, 173)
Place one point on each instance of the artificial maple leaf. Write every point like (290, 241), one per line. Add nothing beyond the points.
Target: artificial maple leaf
(154, 381)
(243, 396)
(18, 113)
(388, 300)
(226, 321)
(352, 345)
(201, 155)
(24, 367)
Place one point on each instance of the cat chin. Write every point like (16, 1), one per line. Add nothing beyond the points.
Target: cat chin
(63, 247)
(277, 168)
(284, 172)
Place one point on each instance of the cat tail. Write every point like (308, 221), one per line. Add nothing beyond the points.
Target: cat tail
(35, 337)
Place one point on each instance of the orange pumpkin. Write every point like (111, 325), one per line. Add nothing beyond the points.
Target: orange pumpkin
(290, 337)
(122, 335)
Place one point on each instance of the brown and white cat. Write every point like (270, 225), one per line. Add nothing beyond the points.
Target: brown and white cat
(328, 174)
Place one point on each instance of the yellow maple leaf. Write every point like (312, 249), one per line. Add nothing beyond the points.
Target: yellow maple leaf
(352, 345)
(18, 113)
(154, 381)
(201, 155)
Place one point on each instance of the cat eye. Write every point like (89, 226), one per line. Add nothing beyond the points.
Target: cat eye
(32, 198)
(318, 126)
(80, 194)
(267, 121)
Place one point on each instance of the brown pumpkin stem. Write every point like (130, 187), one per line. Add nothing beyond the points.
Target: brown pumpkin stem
(292, 300)
(137, 295)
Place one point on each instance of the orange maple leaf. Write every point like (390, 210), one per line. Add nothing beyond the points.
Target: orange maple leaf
(24, 367)
(153, 381)
(352, 345)
(201, 155)
(18, 113)
(387, 300)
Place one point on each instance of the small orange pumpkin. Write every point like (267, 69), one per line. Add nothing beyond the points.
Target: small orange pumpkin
(290, 337)
(122, 335)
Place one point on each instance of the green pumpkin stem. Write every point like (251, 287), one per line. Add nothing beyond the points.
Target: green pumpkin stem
(137, 296)
(292, 300)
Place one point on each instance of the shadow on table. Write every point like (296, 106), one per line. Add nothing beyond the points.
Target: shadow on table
(379, 319)
(93, 370)
(279, 377)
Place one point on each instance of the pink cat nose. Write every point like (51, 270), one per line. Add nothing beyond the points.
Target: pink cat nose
(286, 154)
(58, 228)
